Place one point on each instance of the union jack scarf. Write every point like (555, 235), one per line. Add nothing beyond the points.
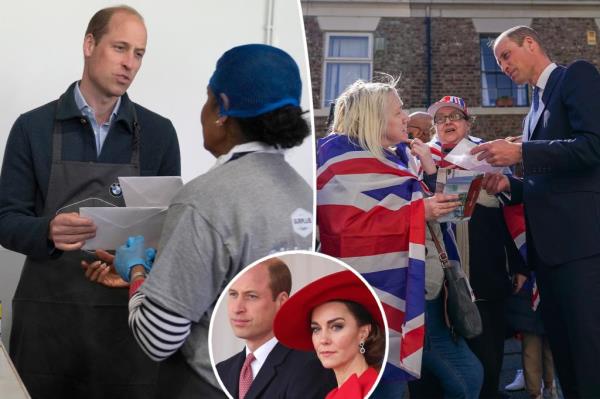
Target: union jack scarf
(513, 216)
(515, 221)
(371, 215)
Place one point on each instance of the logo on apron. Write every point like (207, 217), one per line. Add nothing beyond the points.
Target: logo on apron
(115, 190)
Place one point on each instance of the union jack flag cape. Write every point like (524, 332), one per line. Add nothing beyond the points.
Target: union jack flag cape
(371, 215)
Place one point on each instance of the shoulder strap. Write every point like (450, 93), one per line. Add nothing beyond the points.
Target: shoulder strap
(442, 254)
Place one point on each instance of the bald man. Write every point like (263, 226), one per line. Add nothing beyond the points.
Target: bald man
(420, 126)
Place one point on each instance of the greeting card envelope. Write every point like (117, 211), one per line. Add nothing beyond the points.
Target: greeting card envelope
(116, 224)
(149, 190)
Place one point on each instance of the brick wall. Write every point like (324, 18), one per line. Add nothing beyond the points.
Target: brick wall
(455, 61)
(404, 55)
(490, 127)
(565, 39)
(314, 43)
(321, 126)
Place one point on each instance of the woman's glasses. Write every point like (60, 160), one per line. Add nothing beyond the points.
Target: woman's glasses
(453, 117)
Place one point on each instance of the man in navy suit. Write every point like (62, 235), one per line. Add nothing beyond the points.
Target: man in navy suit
(277, 371)
(560, 191)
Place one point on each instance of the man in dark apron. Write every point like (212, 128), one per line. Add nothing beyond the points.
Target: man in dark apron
(69, 336)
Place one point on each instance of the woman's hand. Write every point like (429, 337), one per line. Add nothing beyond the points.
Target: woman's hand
(440, 205)
(102, 271)
(422, 151)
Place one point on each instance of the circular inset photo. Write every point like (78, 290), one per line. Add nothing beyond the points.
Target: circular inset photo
(298, 324)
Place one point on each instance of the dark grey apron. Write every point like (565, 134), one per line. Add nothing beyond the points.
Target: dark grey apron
(70, 337)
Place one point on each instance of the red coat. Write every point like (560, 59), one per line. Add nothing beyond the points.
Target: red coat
(355, 387)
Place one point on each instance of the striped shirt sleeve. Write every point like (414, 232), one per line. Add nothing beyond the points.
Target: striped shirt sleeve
(159, 331)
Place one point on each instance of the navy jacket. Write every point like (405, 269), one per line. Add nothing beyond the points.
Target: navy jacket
(28, 153)
(286, 373)
(561, 184)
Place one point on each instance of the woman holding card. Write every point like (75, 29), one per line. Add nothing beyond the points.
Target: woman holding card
(484, 243)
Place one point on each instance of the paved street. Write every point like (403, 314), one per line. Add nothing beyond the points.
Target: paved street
(512, 362)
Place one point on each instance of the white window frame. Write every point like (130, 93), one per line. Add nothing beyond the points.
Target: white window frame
(341, 60)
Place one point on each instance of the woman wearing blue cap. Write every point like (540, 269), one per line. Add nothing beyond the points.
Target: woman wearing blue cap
(250, 204)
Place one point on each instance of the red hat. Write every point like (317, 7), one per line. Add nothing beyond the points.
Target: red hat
(448, 101)
(292, 322)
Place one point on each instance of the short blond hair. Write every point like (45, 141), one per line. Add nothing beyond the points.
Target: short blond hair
(360, 113)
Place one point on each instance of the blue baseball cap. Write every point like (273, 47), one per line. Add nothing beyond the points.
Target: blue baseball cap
(256, 78)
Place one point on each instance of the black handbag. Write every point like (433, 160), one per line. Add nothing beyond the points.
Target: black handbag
(460, 311)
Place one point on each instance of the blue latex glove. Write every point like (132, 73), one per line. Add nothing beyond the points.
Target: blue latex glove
(150, 256)
(129, 255)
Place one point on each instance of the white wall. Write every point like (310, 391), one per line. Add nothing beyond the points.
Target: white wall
(41, 43)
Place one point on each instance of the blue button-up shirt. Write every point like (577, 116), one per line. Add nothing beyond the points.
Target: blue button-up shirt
(100, 131)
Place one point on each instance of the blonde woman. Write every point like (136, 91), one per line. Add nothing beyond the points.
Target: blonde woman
(371, 213)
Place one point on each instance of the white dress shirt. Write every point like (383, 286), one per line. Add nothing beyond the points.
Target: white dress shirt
(533, 117)
(261, 354)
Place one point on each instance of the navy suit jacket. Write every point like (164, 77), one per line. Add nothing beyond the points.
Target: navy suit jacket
(286, 373)
(561, 165)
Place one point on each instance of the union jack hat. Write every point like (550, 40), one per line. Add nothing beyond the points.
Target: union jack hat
(448, 101)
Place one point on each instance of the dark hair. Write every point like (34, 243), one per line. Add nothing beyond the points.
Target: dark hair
(284, 127)
(280, 278)
(98, 25)
(518, 34)
(375, 342)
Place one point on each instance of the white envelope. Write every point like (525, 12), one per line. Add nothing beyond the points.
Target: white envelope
(149, 190)
(116, 224)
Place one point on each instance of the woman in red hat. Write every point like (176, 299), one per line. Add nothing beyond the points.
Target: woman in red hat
(337, 317)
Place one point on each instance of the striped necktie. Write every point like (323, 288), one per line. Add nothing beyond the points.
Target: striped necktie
(246, 375)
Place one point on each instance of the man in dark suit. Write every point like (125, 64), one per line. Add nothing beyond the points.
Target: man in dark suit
(265, 368)
(560, 191)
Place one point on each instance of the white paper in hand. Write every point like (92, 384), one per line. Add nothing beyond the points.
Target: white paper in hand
(461, 156)
(154, 191)
(116, 224)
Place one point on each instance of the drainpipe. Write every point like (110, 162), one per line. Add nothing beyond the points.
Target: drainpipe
(428, 46)
(269, 22)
